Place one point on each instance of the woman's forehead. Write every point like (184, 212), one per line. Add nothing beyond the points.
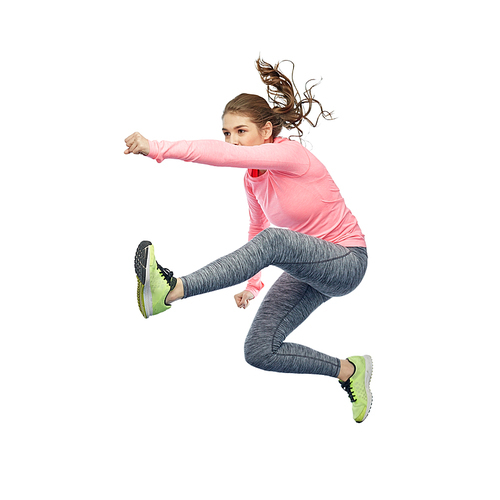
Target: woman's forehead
(232, 120)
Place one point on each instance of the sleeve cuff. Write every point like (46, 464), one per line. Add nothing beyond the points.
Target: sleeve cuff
(253, 290)
(153, 149)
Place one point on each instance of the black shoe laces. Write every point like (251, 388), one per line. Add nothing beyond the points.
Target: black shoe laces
(166, 274)
(347, 388)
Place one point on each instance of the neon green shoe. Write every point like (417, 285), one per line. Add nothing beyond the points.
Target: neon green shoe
(153, 281)
(358, 387)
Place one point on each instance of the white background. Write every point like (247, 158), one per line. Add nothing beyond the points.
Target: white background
(98, 403)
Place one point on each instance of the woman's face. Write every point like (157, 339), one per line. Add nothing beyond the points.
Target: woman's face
(241, 131)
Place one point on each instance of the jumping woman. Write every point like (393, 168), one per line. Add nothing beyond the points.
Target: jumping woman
(315, 239)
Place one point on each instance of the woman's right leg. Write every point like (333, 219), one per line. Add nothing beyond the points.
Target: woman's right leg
(331, 269)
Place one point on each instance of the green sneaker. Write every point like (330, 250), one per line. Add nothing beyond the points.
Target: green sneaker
(358, 387)
(153, 281)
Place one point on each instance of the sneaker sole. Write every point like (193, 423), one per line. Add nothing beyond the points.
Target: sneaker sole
(140, 297)
(368, 377)
(141, 264)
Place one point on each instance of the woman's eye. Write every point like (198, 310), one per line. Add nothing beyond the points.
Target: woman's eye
(241, 130)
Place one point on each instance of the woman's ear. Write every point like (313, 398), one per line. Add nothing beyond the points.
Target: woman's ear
(267, 131)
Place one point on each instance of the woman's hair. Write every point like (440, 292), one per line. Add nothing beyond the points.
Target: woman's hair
(289, 109)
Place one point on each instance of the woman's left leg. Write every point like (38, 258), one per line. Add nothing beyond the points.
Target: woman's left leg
(286, 305)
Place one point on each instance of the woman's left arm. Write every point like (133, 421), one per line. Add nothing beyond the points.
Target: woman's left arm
(285, 155)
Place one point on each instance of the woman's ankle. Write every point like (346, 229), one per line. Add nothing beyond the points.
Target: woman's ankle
(346, 370)
(176, 293)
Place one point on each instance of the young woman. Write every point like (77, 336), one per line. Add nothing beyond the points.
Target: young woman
(317, 242)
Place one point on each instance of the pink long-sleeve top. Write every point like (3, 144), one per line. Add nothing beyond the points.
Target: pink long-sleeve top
(296, 191)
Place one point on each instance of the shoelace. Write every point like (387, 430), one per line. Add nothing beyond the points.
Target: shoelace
(167, 274)
(347, 388)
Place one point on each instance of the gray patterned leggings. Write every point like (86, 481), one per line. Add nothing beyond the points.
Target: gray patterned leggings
(315, 271)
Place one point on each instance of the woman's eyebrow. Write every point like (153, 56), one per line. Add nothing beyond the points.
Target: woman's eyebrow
(239, 126)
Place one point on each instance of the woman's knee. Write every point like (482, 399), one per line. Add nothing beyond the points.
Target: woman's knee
(258, 355)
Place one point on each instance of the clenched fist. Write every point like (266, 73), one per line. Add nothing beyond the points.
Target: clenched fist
(137, 144)
(243, 299)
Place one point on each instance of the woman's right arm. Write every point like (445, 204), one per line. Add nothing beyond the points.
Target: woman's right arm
(258, 222)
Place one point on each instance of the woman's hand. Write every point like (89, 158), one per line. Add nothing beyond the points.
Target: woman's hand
(137, 144)
(242, 299)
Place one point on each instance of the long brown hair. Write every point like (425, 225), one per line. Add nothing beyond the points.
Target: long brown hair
(289, 108)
